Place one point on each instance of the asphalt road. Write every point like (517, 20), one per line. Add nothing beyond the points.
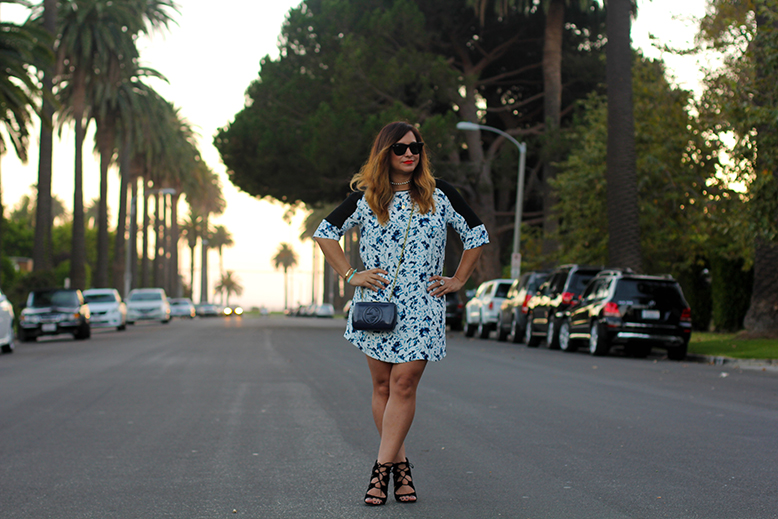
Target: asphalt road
(269, 418)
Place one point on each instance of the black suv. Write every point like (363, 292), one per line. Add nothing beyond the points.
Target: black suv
(555, 295)
(54, 311)
(636, 311)
(513, 311)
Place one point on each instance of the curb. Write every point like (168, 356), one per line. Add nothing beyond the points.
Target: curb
(763, 364)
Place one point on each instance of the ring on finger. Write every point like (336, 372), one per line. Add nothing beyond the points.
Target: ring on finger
(442, 282)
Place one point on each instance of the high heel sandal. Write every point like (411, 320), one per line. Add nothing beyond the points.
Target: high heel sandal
(379, 480)
(402, 477)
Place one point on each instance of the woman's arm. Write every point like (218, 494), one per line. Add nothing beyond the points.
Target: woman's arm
(464, 270)
(372, 279)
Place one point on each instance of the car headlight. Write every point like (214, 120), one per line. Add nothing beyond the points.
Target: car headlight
(30, 318)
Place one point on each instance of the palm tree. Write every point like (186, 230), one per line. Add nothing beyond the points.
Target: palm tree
(190, 230)
(286, 258)
(41, 252)
(229, 284)
(20, 48)
(220, 238)
(206, 198)
(622, 192)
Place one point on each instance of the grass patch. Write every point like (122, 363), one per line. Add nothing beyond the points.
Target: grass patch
(733, 345)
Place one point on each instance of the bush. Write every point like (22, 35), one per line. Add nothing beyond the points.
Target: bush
(731, 288)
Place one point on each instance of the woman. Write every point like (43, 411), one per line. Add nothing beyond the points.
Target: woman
(393, 186)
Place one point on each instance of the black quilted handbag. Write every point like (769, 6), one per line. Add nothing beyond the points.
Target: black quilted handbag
(378, 315)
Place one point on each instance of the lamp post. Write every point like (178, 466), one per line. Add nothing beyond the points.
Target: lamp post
(516, 256)
(130, 248)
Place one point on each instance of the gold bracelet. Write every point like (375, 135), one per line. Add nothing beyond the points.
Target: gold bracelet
(349, 271)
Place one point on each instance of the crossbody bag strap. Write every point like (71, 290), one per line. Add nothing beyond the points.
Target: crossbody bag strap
(402, 254)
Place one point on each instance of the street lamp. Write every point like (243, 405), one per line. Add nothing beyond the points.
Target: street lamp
(516, 256)
(130, 246)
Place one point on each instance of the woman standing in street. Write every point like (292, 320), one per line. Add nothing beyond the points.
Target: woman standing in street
(402, 213)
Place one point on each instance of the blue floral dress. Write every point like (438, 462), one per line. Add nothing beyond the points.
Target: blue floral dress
(420, 333)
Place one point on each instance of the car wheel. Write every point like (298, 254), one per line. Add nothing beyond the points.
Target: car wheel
(677, 353)
(551, 336)
(529, 339)
(83, 332)
(483, 329)
(517, 333)
(598, 341)
(8, 348)
(25, 336)
(469, 330)
(502, 332)
(165, 321)
(121, 327)
(565, 343)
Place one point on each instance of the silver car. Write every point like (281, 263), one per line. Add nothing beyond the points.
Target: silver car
(6, 324)
(147, 304)
(106, 308)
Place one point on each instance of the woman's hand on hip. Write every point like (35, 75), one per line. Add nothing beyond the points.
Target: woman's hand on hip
(440, 285)
(372, 279)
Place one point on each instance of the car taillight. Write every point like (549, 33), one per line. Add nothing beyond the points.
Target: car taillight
(524, 308)
(611, 310)
(686, 315)
(567, 297)
(460, 306)
(491, 305)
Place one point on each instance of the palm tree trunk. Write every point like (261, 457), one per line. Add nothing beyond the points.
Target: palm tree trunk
(119, 256)
(144, 262)
(286, 289)
(175, 279)
(622, 196)
(78, 242)
(552, 100)
(204, 261)
(106, 153)
(133, 245)
(156, 264)
(42, 251)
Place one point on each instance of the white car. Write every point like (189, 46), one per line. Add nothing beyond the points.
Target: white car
(6, 324)
(106, 308)
(182, 307)
(147, 304)
(482, 311)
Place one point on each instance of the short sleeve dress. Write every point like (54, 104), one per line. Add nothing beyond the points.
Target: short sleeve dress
(420, 333)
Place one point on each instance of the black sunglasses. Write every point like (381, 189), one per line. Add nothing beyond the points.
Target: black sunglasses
(399, 148)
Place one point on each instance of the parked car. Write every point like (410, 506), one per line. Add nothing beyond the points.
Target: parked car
(454, 310)
(182, 307)
(325, 310)
(513, 311)
(482, 310)
(564, 284)
(53, 311)
(6, 324)
(206, 310)
(148, 304)
(106, 308)
(636, 311)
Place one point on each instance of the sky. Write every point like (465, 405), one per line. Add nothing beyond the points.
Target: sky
(209, 59)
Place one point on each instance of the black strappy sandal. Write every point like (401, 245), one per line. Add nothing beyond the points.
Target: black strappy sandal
(402, 477)
(379, 480)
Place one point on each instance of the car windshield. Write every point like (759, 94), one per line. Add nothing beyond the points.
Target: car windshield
(99, 298)
(53, 298)
(580, 279)
(642, 291)
(146, 296)
(502, 290)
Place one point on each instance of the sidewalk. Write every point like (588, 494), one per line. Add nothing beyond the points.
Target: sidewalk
(755, 364)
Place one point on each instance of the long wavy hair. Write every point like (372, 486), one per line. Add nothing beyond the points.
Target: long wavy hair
(373, 178)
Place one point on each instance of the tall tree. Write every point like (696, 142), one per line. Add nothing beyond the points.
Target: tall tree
(742, 99)
(42, 252)
(219, 239)
(622, 194)
(229, 284)
(285, 258)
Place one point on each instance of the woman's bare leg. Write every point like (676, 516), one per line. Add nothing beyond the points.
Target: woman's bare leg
(394, 405)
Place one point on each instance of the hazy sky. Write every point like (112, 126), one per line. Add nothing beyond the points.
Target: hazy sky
(210, 58)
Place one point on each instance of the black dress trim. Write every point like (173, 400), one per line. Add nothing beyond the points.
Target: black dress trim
(341, 213)
(458, 203)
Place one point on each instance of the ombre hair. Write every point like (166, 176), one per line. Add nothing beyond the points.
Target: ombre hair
(373, 178)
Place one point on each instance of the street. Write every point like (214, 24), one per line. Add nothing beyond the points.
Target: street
(270, 418)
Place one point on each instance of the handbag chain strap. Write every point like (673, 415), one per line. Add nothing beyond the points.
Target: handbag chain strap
(402, 253)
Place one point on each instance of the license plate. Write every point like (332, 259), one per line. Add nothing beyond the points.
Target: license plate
(651, 314)
(49, 327)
